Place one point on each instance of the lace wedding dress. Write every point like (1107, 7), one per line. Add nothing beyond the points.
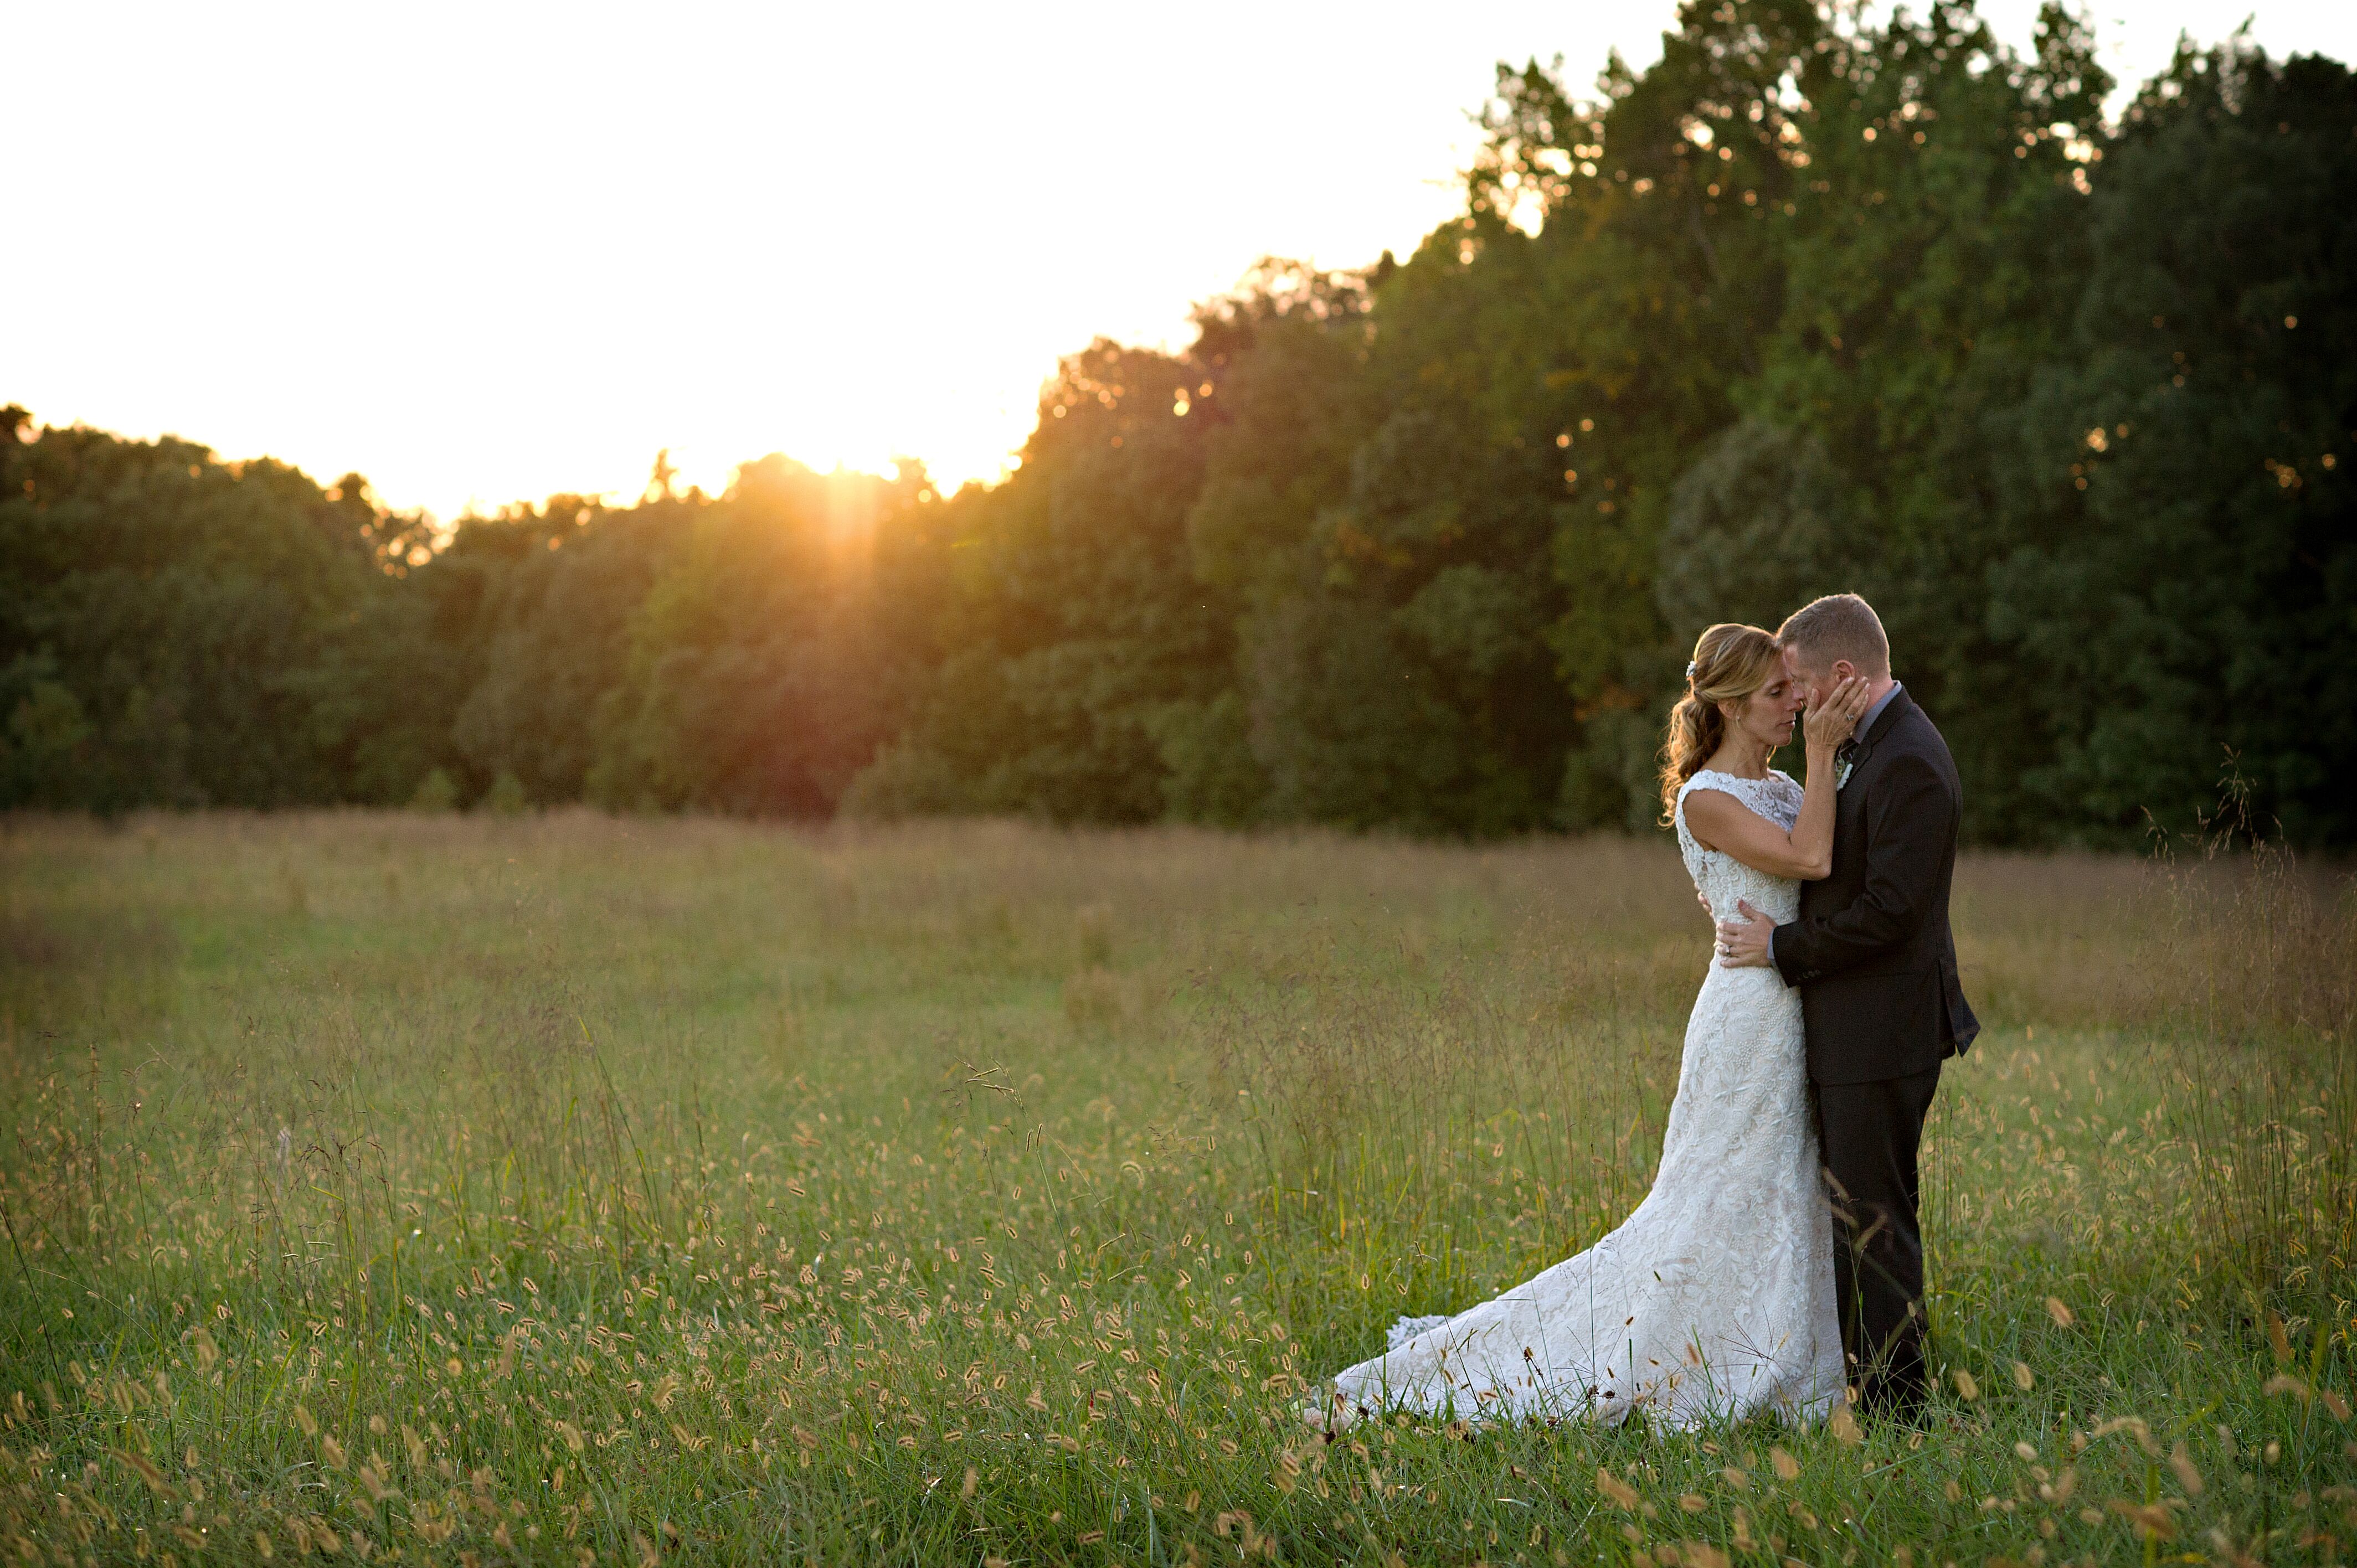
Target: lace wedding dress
(1714, 1300)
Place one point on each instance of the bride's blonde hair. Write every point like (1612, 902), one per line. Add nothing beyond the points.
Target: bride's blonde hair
(1730, 662)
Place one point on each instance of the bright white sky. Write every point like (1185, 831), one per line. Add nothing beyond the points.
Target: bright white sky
(481, 251)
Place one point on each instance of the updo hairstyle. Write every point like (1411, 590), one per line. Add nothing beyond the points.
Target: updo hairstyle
(1731, 661)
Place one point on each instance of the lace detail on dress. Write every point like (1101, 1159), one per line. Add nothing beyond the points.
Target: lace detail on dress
(1714, 1299)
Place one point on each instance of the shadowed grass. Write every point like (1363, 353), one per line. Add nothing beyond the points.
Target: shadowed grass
(521, 1189)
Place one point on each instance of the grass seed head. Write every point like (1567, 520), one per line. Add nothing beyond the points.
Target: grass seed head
(146, 1471)
(372, 1476)
(2285, 1383)
(2187, 1476)
(2150, 1518)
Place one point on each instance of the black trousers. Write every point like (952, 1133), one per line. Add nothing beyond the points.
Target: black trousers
(1868, 1134)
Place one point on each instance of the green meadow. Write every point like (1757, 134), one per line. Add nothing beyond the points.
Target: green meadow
(567, 1188)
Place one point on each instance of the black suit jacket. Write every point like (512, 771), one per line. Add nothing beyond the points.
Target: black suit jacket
(1871, 953)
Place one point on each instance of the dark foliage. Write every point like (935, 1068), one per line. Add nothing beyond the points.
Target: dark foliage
(1803, 307)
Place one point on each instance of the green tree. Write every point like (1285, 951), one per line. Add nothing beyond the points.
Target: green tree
(1816, 301)
(760, 672)
(556, 632)
(1073, 626)
(164, 619)
(2185, 586)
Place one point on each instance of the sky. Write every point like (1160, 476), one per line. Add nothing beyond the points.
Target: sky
(485, 252)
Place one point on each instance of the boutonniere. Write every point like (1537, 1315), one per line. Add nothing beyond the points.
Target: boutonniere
(1842, 771)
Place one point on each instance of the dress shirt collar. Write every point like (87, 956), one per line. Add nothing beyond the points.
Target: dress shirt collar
(1865, 720)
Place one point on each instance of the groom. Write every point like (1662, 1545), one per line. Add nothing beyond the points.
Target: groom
(1876, 967)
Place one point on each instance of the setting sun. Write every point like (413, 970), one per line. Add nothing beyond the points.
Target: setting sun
(483, 253)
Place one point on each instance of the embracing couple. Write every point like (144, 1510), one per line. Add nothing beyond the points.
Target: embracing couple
(1777, 1261)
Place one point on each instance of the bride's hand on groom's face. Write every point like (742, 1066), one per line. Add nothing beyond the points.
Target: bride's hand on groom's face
(1829, 722)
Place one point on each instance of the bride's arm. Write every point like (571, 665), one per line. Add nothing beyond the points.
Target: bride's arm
(1718, 820)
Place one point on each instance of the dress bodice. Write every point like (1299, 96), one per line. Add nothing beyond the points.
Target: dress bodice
(1724, 879)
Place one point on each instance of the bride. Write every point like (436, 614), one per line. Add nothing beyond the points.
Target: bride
(1714, 1299)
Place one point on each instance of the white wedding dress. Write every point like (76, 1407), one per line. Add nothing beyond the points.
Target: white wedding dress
(1714, 1300)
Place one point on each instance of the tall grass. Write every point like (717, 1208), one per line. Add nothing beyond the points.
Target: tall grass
(564, 1190)
(2255, 982)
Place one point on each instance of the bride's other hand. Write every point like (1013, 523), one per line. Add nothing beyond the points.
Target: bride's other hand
(1830, 722)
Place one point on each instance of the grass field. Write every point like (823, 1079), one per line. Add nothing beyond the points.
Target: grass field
(566, 1189)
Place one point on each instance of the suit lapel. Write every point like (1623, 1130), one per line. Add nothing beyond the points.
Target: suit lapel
(1883, 721)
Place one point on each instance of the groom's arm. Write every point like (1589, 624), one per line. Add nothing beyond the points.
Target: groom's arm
(1910, 821)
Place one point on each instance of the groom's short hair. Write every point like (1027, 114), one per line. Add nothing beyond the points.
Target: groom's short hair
(1839, 625)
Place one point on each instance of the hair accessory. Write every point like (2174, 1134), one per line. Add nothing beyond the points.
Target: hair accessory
(1690, 669)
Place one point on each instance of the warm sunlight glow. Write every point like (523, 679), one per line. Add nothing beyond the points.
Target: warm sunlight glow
(481, 253)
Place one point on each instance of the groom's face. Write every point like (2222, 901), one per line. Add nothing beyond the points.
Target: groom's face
(1816, 684)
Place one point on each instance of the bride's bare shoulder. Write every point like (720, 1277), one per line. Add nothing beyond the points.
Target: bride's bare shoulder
(1713, 811)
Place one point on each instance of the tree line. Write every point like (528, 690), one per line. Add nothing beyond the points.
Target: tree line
(1807, 305)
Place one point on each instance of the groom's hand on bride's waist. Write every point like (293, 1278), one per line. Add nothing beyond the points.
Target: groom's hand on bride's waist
(1743, 942)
